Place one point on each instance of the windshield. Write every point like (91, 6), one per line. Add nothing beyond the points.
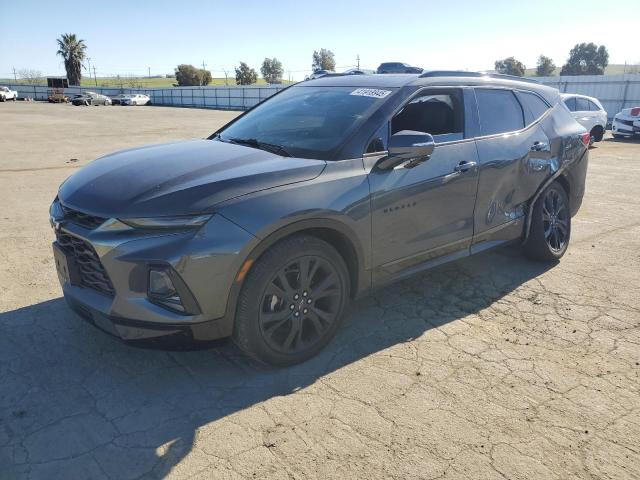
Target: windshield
(308, 122)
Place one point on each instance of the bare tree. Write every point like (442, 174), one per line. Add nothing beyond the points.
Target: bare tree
(30, 76)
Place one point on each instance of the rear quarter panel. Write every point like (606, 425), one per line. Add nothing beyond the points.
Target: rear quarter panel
(573, 156)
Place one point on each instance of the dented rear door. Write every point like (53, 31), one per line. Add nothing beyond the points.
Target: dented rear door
(514, 161)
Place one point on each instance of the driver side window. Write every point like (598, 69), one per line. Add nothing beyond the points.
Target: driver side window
(437, 112)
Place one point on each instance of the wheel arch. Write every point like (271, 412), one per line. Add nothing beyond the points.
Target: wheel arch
(334, 232)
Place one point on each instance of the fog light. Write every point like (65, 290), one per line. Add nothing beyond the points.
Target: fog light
(162, 290)
(160, 283)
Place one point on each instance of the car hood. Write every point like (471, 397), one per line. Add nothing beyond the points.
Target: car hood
(626, 112)
(178, 178)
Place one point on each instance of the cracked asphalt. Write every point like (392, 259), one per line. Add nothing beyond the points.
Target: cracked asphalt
(493, 367)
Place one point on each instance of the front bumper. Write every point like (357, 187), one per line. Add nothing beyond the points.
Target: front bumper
(129, 329)
(628, 127)
(206, 260)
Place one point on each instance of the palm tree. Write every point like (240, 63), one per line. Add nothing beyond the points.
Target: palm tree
(73, 51)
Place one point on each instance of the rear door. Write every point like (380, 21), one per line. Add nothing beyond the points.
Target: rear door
(514, 155)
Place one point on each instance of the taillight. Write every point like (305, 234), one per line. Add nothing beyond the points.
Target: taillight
(635, 112)
(586, 138)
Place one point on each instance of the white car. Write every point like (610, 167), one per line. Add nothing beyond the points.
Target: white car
(589, 113)
(626, 123)
(135, 99)
(317, 74)
(7, 94)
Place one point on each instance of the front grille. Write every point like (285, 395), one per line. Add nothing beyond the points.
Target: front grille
(92, 273)
(83, 219)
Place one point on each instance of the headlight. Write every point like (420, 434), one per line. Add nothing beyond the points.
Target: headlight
(182, 221)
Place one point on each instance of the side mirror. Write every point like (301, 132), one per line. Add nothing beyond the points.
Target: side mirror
(407, 146)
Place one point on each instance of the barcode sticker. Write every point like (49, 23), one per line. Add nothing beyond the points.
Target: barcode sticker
(371, 92)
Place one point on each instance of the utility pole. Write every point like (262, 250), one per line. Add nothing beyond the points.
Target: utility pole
(149, 69)
(204, 67)
(89, 68)
(94, 75)
(15, 77)
(226, 77)
(358, 59)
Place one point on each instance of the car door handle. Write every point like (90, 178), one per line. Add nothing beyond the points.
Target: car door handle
(464, 166)
(539, 146)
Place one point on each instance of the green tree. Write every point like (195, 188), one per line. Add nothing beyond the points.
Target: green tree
(272, 70)
(245, 75)
(545, 67)
(510, 66)
(73, 51)
(323, 60)
(189, 76)
(586, 59)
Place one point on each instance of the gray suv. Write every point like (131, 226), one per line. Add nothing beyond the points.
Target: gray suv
(267, 229)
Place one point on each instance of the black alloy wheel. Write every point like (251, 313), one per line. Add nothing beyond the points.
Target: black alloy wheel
(555, 219)
(300, 303)
(292, 301)
(550, 229)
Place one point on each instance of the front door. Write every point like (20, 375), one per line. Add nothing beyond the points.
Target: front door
(425, 212)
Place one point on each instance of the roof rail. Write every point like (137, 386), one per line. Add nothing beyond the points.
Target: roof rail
(456, 73)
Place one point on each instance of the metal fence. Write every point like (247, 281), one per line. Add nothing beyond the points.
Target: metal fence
(615, 92)
(223, 98)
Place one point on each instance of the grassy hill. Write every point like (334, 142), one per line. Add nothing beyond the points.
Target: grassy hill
(140, 82)
(153, 82)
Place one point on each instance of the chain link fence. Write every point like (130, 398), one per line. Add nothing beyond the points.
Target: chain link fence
(222, 98)
(614, 91)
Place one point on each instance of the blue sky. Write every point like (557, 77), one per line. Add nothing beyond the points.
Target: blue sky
(127, 37)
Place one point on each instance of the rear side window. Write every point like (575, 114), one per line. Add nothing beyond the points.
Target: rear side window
(593, 106)
(534, 103)
(499, 110)
(571, 103)
(582, 104)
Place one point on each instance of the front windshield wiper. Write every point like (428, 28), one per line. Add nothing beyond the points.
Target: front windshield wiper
(254, 143)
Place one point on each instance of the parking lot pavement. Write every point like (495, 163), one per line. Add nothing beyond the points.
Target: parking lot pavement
(489, 367)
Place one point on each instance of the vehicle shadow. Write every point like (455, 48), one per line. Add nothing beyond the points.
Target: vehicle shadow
(81, 403)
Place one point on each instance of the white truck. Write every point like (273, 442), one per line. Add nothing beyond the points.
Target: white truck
(7, 94)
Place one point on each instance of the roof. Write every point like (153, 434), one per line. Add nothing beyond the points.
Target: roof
(386, 80)
(436, 78)
(568, 95)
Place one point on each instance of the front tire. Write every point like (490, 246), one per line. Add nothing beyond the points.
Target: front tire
(550, 225)
(292, 301)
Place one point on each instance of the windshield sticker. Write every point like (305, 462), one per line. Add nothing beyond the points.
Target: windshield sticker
(371, 92)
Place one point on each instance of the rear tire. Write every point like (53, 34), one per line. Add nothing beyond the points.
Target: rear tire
(597, 133)
(292, 301)
(550, 225)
